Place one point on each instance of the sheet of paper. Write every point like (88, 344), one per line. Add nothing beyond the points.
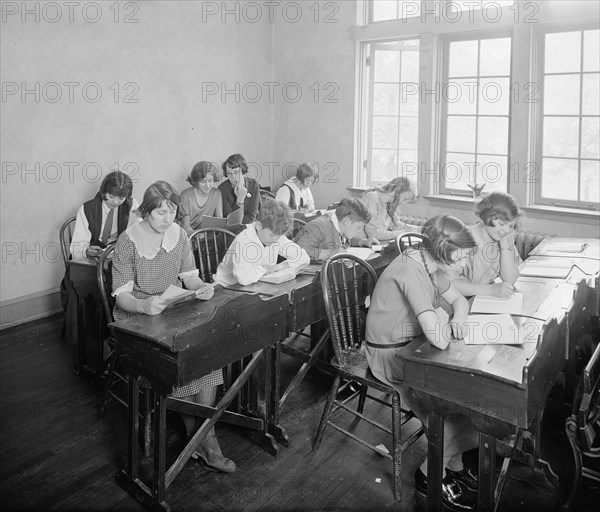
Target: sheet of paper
(558, 268)
(174, 295)
(491, 330)
(565, 247)
(361, 252)
(512, 305)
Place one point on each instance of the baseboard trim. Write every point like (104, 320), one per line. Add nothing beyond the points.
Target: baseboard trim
(28, 308)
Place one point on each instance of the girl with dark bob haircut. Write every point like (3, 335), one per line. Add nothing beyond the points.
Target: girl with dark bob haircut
(296, 192)
(238, 191)
(155, 195)
(497, 255)
(403, 306)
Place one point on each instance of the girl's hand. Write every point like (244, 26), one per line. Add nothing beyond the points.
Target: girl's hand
(93, 251)
(241, 191)
(153, 306)
(507, 241)
(458, 330)
(368, 242)
(279, 266)
(503, 290)
(205, 292)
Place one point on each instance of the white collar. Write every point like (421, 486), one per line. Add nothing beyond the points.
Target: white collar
(143, 246)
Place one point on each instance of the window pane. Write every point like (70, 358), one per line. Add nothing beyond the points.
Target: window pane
(384, 166)
(494, 57)
(461, 134)
(492, 135)
(409, 133)
(408, 161)
(590, 181)
(409, 99)
(384, 10)
(591, 94)
(559, 179)
(590, 137)
(385, 132)
(561, 136)
(386, 98)
(591, 47)
(467, 5)
(494, 96)
(410, 67)
(461, 95)
(463, 59)
(459, 171)
(563, 52)
(561, 94)
(491, 170)
(387, 66)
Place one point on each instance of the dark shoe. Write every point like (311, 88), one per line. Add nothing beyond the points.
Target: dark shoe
(453, 496)
(216, 462)
(465, 476)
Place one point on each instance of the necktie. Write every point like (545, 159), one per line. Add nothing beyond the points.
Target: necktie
(345, 242)
(107, 231)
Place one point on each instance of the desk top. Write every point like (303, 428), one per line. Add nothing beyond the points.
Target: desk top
(591, 251)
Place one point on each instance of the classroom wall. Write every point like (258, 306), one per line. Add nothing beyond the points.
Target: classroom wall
(137, 76)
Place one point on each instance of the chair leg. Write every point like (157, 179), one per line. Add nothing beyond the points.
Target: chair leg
(397, 445)
(571, 430)
(327, 412)
(362, 398)
(108, 384)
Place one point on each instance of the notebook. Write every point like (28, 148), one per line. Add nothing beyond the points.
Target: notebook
(557, 268)
(175, 295)
(512, 305)
(491, 330)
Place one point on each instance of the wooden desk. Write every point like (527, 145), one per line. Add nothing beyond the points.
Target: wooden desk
(500, 388)
(180, 345)
(90, 328)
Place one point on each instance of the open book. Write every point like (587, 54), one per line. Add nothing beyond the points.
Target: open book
(280, 276)
(235, 217)
(492, 330)
(176, 295)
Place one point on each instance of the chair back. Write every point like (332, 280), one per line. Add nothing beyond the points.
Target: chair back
(209, 246)
(66, 235)
(586, 407)
(346, 282)
(406, 240)
(265, 194)
(297, 225)
(527, 241)
(104, 280)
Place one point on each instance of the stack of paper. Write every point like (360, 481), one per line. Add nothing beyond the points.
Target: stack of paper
(491, 330)
(557, 268)
(512, 305)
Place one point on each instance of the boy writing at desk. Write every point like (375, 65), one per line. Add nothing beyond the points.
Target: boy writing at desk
(334, 231)
(253, 253)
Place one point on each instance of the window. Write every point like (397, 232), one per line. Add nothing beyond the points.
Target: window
(381, 10)
(392, 110)
(475, 96)
(569, 147)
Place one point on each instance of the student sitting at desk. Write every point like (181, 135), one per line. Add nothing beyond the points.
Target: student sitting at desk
(403, 306)
(149, 257)
(253, 253)
(101, 220)
(202, 198)
(335, 230)
(238, 191)
(497, 255)
(296, 193)
(384, 205)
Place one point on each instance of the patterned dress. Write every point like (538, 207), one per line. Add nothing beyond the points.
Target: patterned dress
(141, 270)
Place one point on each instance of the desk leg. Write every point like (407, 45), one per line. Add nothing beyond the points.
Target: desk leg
(487, 465)
(160, 446)
(435, 452)
(274, 406)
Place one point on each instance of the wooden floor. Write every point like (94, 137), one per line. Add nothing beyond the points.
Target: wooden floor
(57, 455)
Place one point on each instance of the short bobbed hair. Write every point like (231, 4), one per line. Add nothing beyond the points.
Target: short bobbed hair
(200, 171)
(498, 206)
(155, 195)
(116, 183)
(234, 161)
(353, 209)
(443, 235)
(304, 171)
(275, 216)
(397, 187)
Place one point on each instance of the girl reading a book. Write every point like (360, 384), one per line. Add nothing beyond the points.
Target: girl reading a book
(254, 252)
(497, 255)
(202, 198)
(403, 306)
(296, 193)
(149, 257)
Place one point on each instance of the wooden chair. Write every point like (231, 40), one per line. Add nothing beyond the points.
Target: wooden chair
(346, 282)
(297, 225)
(114, 377)
(66, 235)
(583, 426)
(209, 246)
(406, 240)
(265, 194)
(527, 241)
